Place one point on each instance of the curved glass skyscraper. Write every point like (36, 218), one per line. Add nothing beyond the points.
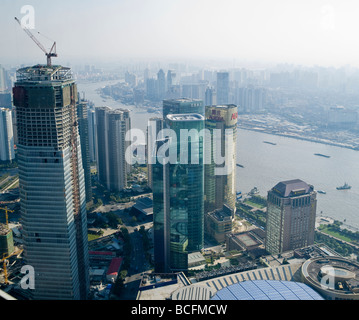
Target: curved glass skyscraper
(178, 193)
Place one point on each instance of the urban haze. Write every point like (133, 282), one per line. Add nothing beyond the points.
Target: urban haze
(179, 150)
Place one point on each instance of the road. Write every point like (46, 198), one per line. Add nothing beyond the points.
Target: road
(139, 264)
(356, 247)
(10, 185)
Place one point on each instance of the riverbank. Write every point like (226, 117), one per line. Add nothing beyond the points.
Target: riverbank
(298, 137)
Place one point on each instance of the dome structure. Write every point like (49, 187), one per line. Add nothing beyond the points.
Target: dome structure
(267, 290)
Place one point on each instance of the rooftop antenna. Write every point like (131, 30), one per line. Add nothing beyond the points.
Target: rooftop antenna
(50, 54)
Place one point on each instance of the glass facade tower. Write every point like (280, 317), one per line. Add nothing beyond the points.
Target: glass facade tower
(178, 192)
(180, 106)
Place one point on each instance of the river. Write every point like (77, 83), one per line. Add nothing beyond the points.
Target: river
(265, 164)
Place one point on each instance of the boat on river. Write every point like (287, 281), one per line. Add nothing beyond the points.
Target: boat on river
(321, 155)
(268, 142)
(344, 187)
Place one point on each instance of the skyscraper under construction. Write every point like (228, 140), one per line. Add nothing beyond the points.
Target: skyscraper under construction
(51, 182)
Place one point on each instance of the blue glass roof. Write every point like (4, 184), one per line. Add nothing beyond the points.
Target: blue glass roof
(267, 290)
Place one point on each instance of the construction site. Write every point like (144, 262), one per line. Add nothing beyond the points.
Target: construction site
(10, 258)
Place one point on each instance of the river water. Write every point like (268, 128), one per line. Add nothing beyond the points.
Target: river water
(265, 164)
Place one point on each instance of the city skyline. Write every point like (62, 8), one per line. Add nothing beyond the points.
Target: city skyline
(178, 150)
(299, 32)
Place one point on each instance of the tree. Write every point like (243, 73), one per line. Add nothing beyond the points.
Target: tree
(118, 285)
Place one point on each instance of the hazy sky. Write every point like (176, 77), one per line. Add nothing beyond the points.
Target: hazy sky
(291, 31)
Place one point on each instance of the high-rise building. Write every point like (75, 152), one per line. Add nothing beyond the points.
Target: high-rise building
(101, 143)
(3, 80)
(220, 170)
(194, 90)
(5, 100)
(131, 79)
(291, 214)
(85, 152)
(161, 209)
(161, 78)
(154, 127)
(51, 182)
(251, 99)
(178, 195)
(210, 97)
(7, 152)
(92, 134)
(6, 241)
(174, 92)
(222, 88)
(170, 78)
(111, 128)
(184, 105)
(152, 89)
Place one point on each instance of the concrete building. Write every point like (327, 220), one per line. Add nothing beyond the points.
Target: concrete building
(194, 90)
(218, 223)
(299, 278)
(335, 278)
(131, 79)
(143, 208)
(210, 97)
(51, 182)
(111, 128)
(92, 134)
(6, 241)
(342, 118)
(251, 99)
(220, 170)
(84, 137)
(154, 127)
(250, 242)
(170, 84)
(161, 79)
(291, 214)
(4, 80)
(222, 88)
(5, 100)
(7, 152)
(152, 89)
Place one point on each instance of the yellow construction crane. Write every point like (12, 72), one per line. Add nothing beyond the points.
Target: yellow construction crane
(4, 261)
(6, 215)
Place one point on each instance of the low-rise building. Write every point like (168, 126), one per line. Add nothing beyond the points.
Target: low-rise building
(219, 223)
(249, 241)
